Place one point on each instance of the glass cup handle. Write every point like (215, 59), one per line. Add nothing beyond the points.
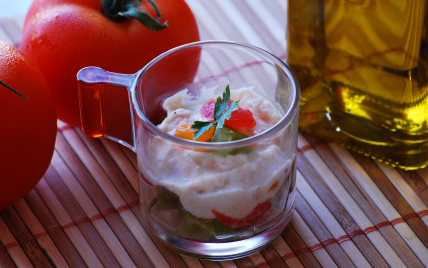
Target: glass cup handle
(105, 105)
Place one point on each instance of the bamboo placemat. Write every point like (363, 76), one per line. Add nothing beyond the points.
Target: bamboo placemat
(350, 210)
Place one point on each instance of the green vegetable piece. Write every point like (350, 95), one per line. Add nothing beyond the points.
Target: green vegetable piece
(239, 136)
(189, 225)
(223, 232)
(165, 200)
(242, 150)
(214, 230)
(225, 134)
(166, 195)
(152, 204)
(194, 229)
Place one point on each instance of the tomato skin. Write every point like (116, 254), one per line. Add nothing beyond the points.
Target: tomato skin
(63, 36)
(247, 221)
(28, 127)
(207, 110)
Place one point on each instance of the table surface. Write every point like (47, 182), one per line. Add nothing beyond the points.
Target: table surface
(350, 210)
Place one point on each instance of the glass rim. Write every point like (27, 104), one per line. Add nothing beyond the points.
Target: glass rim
(280, 125)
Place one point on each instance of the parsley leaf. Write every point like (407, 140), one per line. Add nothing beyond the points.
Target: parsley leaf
(226, 115)
(221, 105)
(202, 127)
(220, 115)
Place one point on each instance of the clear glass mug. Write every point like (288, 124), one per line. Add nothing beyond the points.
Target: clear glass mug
(363, 70)
(179, 187)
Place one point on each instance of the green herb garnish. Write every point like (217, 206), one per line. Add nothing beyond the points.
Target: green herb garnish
(220, 114)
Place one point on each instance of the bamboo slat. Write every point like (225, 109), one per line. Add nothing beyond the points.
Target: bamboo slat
(286, 253)
(129, 195)
(299, 248)
(210, 264)
(415, 223)
(96, 252)
(107, 200)
(5, 37)
(312, 243)
(417, 183)
(258, 260)
(331, 223)
(5, 259)
(37, 255)
(340, 213)
(192, 262)
(224, 264)
(406, 191)
(12, 29)
(343, 173)
(41, 236)
(322, 234)
(12, 247)
(272, 257)
(131, 175)
(63, 240)
(351, 206)
(244, 263)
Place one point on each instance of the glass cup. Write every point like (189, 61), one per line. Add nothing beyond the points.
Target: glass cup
(362, 66)
(213, 200)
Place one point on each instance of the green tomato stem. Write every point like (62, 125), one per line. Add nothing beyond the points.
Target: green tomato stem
(121, 10)
(13, 90)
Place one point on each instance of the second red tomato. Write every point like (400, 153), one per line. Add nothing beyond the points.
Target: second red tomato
(63, 36)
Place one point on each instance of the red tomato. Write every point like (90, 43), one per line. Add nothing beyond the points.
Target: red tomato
(247, 221)
(241, 118)
(63, 36)
(28, 127)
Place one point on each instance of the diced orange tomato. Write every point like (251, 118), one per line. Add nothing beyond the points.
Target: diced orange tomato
(273, 187)
(241, 118)
(184, 130)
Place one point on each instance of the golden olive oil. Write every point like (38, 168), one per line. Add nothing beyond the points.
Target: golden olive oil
(363, 71)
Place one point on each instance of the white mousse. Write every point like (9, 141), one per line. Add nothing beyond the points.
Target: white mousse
(232, 185)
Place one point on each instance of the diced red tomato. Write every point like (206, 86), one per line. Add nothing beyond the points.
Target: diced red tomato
(207, 110)
(247, 221)
(241, 118)
(145, 180)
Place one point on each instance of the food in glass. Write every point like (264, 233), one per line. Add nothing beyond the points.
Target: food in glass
(216, 195)
(217, 173)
